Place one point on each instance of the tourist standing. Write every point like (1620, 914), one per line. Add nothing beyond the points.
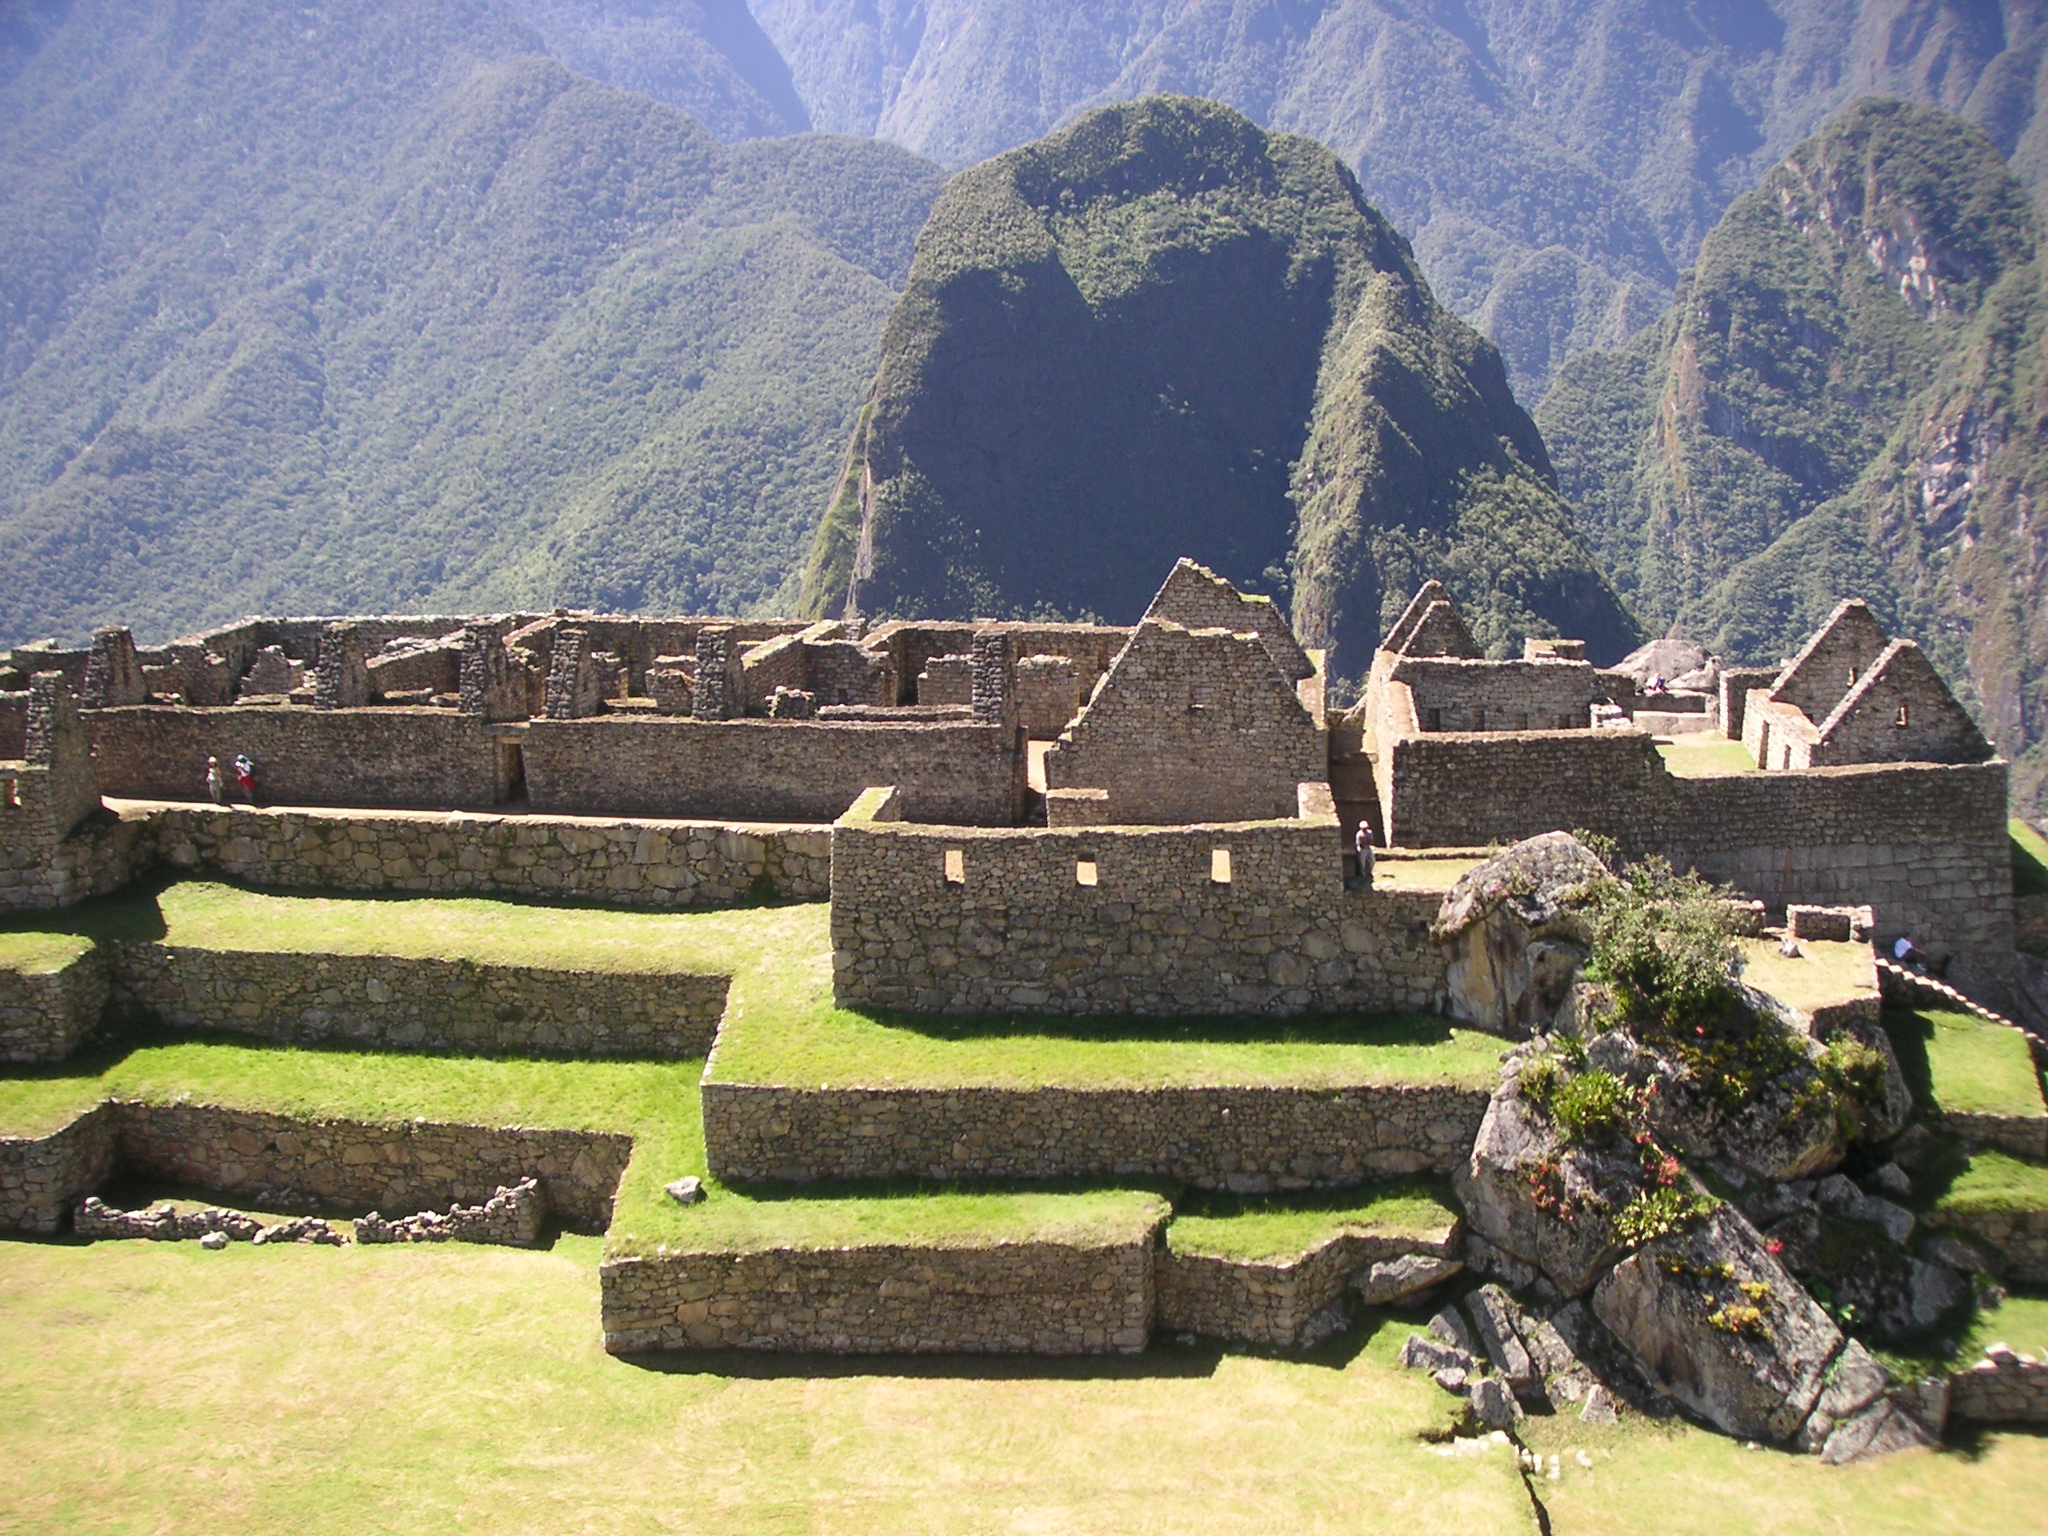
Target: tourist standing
(1363, 843)
(245, 776)
(216, 785)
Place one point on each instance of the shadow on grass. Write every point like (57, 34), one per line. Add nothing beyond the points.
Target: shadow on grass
(1386, 1029)
(1973, 1441)
(1203, 1202)
(1910, 1031)
(1174, 1362)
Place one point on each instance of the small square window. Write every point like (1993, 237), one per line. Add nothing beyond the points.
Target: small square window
(1435, 720)
(1219, 866)
(1901, 720)
(1084, 872)
(956, 866)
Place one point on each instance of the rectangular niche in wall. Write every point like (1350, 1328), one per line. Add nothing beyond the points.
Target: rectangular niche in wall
(1084, 872)
(956, 866)
(1219, 866)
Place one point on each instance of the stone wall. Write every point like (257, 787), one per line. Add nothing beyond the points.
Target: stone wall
(770, 770)
(1455, 694)
(1190, 725)
(639, 863)
(413, 1165)
(1040, 1298)
(1244, 1139)
(396, 756)
(2003, 1388)
(44, 1014)
(1154, 932)
(1925, 845)
(2030, 925)
(2019, 1239)
(392, 1002)
(2021, 1135)
(1272, 1302)
(43, 1177)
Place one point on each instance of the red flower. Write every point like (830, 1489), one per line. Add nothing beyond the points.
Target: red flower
(1776, 1245)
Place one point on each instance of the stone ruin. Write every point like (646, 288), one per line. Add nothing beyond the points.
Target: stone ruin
(1158, 818)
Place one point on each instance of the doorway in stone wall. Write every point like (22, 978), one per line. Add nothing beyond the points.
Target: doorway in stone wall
(511, 771)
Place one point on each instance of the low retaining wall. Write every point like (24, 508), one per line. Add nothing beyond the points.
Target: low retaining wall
(410, 1166)
(1020, 1298)
(1245, 1139)
(2021, 1135)
(42, 1177)
(44, 1014)
(2018, 1238)
(1271, 1302)
(2003, 1388)
(390, 1001)
(641, 863)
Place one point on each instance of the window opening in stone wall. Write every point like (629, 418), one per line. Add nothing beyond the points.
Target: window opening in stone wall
(1084, 872)
(10, 792)
(1436, 720)
(1198, 696)
(1902, 716)
(1521, 722)
(1852, 677)
(1219, 866)
(1478, 719)
(956, 866)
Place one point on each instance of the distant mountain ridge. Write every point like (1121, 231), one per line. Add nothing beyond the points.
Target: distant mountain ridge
(1165, 332)
(1847, 399)
(374, 306)
(1554, 165)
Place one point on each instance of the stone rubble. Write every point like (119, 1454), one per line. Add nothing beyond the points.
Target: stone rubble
(513, 1217)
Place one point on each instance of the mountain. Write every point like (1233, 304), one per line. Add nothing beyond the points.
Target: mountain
(1163, 331)
(373, 306)
(709, 57)
(1847, 398)
(1553, 164)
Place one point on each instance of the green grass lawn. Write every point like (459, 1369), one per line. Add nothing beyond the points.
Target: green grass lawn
(1994, 1181)
(1259, 1228)
(158, 1387)
(1822, 974)
(35, 953)
(2029, 860)
(206, 914)
(1961, 1064)
(824, 1046)
(1703, 755)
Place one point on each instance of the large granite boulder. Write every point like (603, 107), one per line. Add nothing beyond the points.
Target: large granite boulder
(1514, 933)
(1547, 1203)
(1721, 1326)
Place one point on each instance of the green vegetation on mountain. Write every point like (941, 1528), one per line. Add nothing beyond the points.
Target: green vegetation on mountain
(709, 57)
(373, 307)
(1554, 164)
(1163, 331)
(1847, 400)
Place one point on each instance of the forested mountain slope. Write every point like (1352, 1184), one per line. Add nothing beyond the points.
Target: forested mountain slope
(1848, 399)
(1163, 332)
(370, 305)
(1554, 164)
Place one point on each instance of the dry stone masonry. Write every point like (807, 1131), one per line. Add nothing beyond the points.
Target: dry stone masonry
(513, 1217)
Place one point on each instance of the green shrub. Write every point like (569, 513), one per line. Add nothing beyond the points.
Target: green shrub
(1540, 1080)
(1665, 943)
(1655, 1213)
(1593, 1104)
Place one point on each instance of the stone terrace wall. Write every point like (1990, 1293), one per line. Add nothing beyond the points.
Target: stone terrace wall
(1251, 1140)
(771, 770)
(2005, 1389)
(2018, 1238)
(401, 1003)
(431, 758)
(411, 1166)
(100, 857)
(1154, 935)
(1925, 845)
(640, 863)
(42, 1177)
(1271, 1302)
(1020, 1298)
(44, 1014)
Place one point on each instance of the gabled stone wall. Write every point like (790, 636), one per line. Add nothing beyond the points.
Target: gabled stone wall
(1455, 694)
(1190, 726)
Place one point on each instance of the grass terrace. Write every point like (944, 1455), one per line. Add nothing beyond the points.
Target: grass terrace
(820, 1046)
(40, 953)
(2029, 860)
(1823, 974)
(1991, 1182)
(1259, 1228)
(1702, 755)
(1963, 1065)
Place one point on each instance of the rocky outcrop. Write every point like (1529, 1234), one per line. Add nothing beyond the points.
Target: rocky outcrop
(1721, 1326)
(1515, 935)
